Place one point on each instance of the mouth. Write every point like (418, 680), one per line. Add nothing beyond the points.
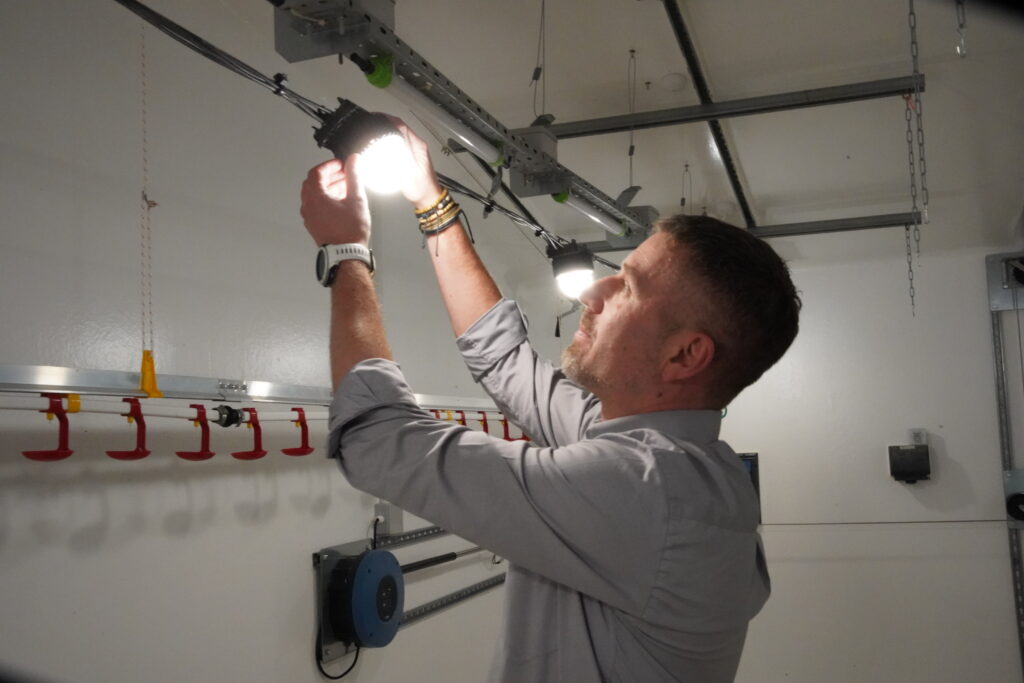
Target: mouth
(585, 330)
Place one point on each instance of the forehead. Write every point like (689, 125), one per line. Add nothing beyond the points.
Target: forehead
(658, 255)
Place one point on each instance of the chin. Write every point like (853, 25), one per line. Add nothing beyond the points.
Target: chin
(573, 369)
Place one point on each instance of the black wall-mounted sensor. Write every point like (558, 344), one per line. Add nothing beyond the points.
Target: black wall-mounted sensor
(909, 464)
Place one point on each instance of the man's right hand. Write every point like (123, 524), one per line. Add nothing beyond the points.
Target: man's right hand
(423, 189)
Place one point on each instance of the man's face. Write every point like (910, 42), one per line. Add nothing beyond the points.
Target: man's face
(618, 347)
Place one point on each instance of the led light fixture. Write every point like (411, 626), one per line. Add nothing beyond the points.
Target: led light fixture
(573, 265)
(387, 162)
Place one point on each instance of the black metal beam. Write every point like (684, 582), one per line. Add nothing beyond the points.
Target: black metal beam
(838, 225)
(764, 104)
(889, 220)
(675, 18)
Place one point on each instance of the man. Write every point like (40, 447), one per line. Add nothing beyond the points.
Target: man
(630, 528)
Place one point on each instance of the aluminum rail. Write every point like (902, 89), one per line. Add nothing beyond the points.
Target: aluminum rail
(764, 104)
(57, 379)
(370, 37)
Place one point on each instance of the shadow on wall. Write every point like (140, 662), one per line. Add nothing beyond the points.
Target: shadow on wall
(91, 503)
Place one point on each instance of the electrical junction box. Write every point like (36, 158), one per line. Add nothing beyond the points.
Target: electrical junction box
(307, 29)
(909, 464)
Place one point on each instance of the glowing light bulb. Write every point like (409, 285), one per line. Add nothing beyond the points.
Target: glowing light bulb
(574, 282)
(386, 164)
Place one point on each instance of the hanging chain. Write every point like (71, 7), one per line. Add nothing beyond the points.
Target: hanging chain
(631, 85)
(961, 28)
(910, 269)
(145, 233)
(145, 242)
(913, 114)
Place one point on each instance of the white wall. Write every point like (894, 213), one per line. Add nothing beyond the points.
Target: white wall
(164, 570)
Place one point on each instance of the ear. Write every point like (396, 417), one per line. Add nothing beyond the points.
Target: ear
(687, 354)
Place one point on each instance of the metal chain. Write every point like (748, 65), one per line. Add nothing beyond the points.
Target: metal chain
(145, 242)
(910, 269)
(913, 198)
(961, 28)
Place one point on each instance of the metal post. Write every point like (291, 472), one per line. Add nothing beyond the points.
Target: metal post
(1006, 456)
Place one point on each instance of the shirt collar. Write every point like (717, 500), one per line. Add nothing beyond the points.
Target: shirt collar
(698, 426)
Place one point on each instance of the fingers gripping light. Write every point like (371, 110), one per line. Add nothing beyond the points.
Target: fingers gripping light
(574, 268)
(386, 162)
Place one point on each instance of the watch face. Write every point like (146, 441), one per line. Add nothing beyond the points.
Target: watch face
(321, 264)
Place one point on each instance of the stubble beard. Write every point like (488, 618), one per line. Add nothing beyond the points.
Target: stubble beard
(573, 368)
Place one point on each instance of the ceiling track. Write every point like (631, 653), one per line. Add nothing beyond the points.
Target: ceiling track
(349, 27)
(675, 18)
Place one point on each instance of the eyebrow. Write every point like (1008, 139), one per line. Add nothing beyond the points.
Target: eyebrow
(630, 271)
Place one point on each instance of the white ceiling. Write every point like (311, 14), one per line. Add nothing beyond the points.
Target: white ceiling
(820, 163)
(825, 162)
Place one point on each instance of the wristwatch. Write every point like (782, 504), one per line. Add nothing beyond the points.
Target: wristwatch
(330, 255)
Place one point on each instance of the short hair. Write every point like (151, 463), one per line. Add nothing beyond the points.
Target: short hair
(754, 308)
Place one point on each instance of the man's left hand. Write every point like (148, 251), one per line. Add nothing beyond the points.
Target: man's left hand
(334, 206)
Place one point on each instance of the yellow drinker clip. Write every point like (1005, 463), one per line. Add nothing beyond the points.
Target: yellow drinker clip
(147, 376)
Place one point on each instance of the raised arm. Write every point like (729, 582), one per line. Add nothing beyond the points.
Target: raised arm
(532, 392)
(467, 288)
(334, 210)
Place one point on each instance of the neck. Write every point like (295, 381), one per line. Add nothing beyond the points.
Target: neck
(621, 406)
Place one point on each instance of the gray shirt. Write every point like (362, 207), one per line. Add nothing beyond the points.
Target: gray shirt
(632, 543)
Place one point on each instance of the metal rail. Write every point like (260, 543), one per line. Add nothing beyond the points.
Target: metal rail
(63, 380)
(675, 18)
(1000, 299)
(416, 613)
(365, 34)
(764, 104)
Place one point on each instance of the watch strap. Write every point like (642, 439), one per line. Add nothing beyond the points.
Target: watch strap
(333, 254)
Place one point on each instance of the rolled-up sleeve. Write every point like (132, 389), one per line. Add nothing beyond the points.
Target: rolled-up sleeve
(533, 393)
(545, 509)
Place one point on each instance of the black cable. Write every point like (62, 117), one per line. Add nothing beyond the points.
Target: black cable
(320, 664)
(309, 107)
(218, 56)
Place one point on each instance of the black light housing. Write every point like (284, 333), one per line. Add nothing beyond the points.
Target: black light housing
(350, 129)
(573, 265)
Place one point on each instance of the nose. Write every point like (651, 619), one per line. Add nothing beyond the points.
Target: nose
(593, 296)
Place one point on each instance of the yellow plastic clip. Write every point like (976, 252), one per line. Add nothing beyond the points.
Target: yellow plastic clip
(195, 423)
(147, 376)
(448, 415)
(130, 419)
(74, 403)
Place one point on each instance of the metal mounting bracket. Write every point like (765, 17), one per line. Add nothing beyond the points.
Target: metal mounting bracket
(1005, 275)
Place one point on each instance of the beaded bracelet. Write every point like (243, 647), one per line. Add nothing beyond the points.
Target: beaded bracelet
(438, 218)
(448, 222)
(436, 205)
